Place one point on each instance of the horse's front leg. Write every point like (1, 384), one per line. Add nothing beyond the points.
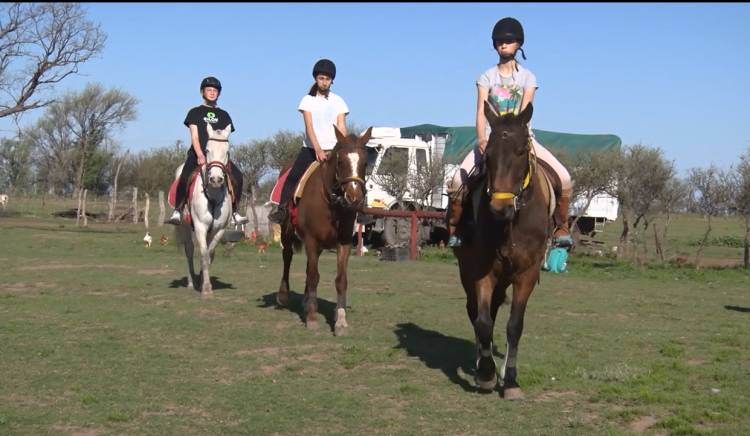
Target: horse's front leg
(200, 239)
(311, 285)
(287, 240)
(484, 325)
(341, 328)
(523, 286)
(186, 235)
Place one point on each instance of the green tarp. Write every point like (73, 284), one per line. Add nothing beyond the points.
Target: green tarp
(459, 140)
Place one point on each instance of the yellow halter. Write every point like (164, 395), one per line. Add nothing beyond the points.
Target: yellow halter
(526, 180)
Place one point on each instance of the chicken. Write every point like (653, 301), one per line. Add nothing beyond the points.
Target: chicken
(147, 239)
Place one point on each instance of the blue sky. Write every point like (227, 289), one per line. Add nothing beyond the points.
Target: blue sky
(665, 75)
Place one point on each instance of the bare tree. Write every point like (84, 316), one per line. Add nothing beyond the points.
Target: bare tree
(672, 200)
(252, 158)
(711, 191)
(40, 45)
(641, 179)
(593, 173)
(15, 165)
(393, 172)
(286, 146)
(428, 179)
(742, 200)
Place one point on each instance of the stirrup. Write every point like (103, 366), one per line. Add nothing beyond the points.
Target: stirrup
(175, 219)
(563, 241)
(239, 219)
(454, 241)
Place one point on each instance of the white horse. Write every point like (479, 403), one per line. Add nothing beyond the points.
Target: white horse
(210, 207)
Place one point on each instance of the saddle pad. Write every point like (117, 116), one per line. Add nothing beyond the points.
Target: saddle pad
(173, 195)
(276, 192)
(303, 180)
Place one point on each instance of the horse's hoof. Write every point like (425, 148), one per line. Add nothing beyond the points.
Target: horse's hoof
(513, 394)
(487, 385)
(341, 330)
(207, 294)
(311, 325)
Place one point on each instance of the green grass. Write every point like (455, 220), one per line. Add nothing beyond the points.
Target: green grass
(98, 334)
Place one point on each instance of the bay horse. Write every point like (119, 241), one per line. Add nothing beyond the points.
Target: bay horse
(507, 243)
(325, 217)
(209, 206)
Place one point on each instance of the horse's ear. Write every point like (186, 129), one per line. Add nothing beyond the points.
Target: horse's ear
(525, 116)
(366, 137)
(490, 113)
(227, 130)
(210, 129)
(339, 136)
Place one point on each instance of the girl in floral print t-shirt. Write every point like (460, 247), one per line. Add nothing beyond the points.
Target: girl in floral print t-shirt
(509, 88)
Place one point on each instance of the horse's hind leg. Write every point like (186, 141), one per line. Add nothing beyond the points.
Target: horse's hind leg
(311, 285)
(522, 288)
(187, 238)
(342, 260)
(282, 297)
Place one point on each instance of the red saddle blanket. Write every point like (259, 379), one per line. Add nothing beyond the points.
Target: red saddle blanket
(276, 195)
(173, 195)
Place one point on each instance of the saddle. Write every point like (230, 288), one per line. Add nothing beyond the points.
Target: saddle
(299, 189)
(172, 196)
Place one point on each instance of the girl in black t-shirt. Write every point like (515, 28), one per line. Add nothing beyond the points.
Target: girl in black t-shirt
(196, 120)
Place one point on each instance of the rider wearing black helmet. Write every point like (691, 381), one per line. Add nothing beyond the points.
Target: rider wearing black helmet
(321, 109)
(196, 121)
(509, 88)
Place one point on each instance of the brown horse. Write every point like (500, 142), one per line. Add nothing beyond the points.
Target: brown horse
(506, 244)
(325, 219)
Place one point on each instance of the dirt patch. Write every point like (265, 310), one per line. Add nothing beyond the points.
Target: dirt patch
(695, 362)
(54, 266)
(708, 262)
(76, 431)
(556, 395)
(156, 271)
(22, 287)
(643, 423)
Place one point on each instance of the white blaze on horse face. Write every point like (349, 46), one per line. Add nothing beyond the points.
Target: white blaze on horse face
(353, 161)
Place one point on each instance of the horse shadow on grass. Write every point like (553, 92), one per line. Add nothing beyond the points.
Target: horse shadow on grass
(325, 307)
(438, 351)
(216, 284)
(738, 308)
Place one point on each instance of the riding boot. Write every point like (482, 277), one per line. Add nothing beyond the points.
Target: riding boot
(562, 237)
(456, 209)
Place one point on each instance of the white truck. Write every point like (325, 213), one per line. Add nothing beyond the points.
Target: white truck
(402, 162)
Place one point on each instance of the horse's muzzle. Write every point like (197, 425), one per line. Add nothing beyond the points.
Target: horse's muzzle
(502, 212)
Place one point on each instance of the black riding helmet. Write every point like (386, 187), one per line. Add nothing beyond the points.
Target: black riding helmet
(324, 66)
(508, 28)
(212, 82)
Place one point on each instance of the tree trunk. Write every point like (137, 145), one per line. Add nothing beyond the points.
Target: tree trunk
(702, 244)
(145, 211)
(78, 209)
(664, 234)
(252, 209)
(135, 205)
(161, 209)
(85, 218)
(589, 199)
(657, 243)
(747, 242)
(113, 205)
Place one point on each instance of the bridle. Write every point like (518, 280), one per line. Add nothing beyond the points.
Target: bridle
(494, 195)
(336, 193)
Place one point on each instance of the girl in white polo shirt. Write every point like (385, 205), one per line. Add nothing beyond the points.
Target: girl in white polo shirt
(320, 109)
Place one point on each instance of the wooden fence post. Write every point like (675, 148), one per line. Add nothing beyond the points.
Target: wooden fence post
(135, 205)
(145, 212)
(161, 209)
